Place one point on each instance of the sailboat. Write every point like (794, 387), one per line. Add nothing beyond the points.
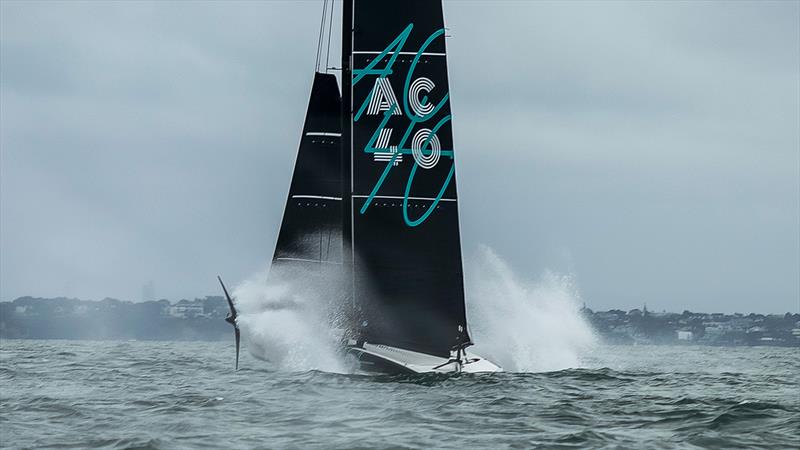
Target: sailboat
(373, 206)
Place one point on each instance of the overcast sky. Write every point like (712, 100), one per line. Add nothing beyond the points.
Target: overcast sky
(650, 149)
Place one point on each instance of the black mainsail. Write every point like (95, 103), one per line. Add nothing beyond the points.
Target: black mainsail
(400, 219)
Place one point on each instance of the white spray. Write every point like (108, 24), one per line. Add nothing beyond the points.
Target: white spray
(522, 326)
(525, 326)
(286, 324)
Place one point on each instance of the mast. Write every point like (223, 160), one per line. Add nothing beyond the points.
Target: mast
(347, 147)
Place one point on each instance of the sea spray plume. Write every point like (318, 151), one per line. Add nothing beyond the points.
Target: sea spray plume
(524, 326)
(287, 318)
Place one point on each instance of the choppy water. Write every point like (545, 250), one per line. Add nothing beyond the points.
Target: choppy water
(176, 394)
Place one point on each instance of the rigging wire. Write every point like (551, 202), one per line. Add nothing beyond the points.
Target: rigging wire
(321, 35)
(330, 28)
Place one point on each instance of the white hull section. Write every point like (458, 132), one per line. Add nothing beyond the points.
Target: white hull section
(382, 358)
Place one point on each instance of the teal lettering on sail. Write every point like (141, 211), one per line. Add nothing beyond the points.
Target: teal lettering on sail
(424, 217)
(397, 44)
(411, 106)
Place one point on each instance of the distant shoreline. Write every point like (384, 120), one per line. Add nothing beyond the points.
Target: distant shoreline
(201, 319)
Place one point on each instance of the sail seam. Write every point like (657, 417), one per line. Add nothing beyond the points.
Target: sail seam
(366, 52)
(400, 197)
(307, 260)
(323, 197)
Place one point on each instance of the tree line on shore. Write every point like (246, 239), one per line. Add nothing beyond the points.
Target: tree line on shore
(201, 319)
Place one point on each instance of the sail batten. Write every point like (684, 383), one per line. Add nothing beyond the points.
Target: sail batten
(379, 52)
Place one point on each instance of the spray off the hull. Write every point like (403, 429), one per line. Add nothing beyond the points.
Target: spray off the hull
(524, 326)
(288, 323)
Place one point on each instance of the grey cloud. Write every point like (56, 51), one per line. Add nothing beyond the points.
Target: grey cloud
(651, 148)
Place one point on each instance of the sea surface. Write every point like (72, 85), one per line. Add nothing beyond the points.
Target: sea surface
(71, 394)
